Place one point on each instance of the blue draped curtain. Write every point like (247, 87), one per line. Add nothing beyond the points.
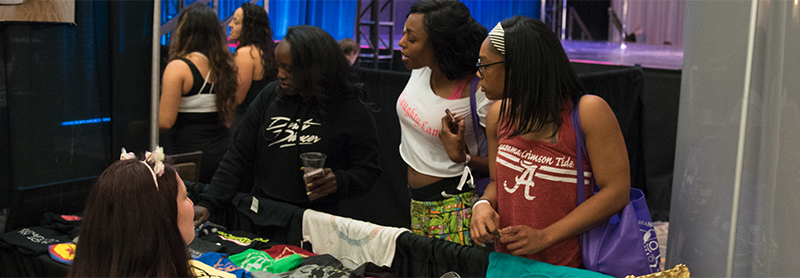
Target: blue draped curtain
(489, 12)
(337, 17)
(225, 9)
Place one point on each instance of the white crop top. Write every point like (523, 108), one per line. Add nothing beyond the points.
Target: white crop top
(201, 102)
(420, 112)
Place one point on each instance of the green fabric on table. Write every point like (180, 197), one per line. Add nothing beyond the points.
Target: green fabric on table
(505, 265)
(285, 264)
(252, 260)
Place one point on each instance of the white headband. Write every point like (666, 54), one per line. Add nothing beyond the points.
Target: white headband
(497, 37)
(156, 158)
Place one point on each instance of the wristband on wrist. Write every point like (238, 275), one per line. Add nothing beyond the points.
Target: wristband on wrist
(466, 162)
(481, 201)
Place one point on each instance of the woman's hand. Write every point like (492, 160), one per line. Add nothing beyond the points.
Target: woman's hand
(521, 240)
(323, 186)
(453, 142)
(484, 223)
(201, 214)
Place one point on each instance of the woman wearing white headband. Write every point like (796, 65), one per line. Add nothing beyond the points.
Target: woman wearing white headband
(440, 41)
(529, 208)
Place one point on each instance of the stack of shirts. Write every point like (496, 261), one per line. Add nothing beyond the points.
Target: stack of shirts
(237, 254)
(44, 250)
(361, 244)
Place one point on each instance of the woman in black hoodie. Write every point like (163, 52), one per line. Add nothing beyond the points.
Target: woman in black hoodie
(313, 107)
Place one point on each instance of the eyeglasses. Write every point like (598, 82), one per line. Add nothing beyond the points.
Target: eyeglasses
(481, 67)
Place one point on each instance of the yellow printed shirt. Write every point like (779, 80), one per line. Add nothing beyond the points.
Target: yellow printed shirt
(236, 242)
(203, 270)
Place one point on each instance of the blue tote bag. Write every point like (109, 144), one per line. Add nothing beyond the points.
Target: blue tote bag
(624, 245)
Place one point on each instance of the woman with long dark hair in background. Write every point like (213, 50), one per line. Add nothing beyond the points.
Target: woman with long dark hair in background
(254, 56)
(440, 41)
(530, 207)
(198, 88)
(313, 107)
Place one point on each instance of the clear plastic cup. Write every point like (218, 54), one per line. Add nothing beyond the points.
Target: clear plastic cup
(313, 168)
(312, 161)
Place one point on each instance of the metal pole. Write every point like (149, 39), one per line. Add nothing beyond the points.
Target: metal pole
(373, 31)
(571, 23)
(564, 20)
(542, 12)
(155, 69)
(624, 22)
(391, 35)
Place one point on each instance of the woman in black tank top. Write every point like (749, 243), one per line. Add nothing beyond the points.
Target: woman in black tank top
(198, 89)
(254, 56)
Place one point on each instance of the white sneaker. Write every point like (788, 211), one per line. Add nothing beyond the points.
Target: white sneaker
(10, 2)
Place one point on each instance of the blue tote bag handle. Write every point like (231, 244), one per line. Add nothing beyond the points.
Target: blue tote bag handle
(481, 179)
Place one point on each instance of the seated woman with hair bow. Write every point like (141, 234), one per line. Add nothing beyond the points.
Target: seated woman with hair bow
(137, 222)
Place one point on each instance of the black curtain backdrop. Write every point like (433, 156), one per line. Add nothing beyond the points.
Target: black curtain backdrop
(622, 89)
(5, 136)
(388, 202)
(73, 95)
(661, 102)
(660, 99)
(594, 14)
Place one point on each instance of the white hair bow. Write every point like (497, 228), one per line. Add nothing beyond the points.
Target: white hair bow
(156, 158)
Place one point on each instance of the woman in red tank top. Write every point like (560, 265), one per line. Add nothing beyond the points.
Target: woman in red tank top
(529, 208)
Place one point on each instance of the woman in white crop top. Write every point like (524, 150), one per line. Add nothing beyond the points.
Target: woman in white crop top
(440, 44)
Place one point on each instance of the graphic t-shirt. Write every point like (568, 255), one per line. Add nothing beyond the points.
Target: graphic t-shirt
(282, 251)
(62, 252)
(277, 128)
(322, 266)
(236, 241)
(351, 241)
(536, 186)
(420, 112)
(218, 261)
(252, 260)
(34, 240)
(202, 270)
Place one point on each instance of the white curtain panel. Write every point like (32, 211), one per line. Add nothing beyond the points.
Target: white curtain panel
(655, 22)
